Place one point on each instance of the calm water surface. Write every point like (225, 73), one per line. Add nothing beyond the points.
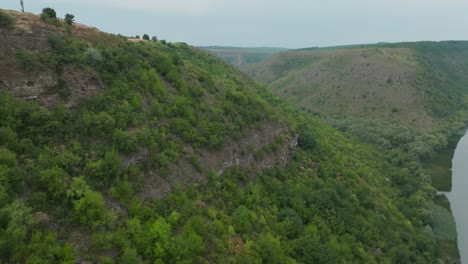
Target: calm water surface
(459, 195)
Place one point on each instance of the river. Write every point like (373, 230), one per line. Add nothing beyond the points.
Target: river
(458, 197)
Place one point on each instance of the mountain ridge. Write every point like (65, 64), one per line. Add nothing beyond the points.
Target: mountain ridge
(335, 80)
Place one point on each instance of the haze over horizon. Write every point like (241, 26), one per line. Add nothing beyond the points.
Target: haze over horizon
(277, 23)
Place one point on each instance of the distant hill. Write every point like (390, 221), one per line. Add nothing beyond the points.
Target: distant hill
(413, 83)
(238, 56)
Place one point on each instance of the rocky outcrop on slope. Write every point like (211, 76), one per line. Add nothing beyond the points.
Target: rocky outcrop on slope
(33, 80)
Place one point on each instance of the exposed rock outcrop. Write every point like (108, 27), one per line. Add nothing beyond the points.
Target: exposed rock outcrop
(271, 146)
(40, 82)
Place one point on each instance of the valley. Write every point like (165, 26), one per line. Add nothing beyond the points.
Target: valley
(403, 96)
(119, 151)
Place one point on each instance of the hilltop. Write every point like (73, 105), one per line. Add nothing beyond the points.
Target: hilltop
(414, 84)
(151, 152)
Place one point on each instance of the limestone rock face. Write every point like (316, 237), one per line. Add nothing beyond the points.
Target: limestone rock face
(37, 81)
(43, 85)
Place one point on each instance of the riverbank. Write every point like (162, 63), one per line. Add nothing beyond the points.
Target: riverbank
(439, 168)
(459, 195)
(444, 226)
(445, 231)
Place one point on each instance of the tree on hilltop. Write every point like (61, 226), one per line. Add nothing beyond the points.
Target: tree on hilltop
(49, 13)
(70, 19)
(146, 37)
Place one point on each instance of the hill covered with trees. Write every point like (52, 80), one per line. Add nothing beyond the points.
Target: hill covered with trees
(415, 84)
(115, 151)
(406, 96)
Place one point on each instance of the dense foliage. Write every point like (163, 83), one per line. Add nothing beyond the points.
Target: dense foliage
(48, 13)
(69, 19)
(70, 186)
(419, 144)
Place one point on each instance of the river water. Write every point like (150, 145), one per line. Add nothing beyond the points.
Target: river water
(458, 197)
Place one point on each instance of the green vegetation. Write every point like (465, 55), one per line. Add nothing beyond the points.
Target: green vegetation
(50, 16)
(82, 183)
(6, 20)
(445, 230)
(370, 81)
(69, 19)
(332, 202)
(420, 119)
(439, 167)
(48, 13)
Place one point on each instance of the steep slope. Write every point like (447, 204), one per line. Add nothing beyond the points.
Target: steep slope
(412, 83)
(176, 157)
(409, 97)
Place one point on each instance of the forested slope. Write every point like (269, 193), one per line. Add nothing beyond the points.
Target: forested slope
(169, 155)
(409, 97)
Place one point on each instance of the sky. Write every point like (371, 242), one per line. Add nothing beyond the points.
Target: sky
(268, 23)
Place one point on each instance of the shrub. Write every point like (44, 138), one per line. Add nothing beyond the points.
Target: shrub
(93, 55)
(70, 19)
(26, 59)
(307, 140)
(5, 19)
(48, 13)
(146, 37)
(50, 16)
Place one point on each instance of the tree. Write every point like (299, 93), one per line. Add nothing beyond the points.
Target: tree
(154, 38)
(15, 226)
(306, 140)
(70, 19)
(146, 37)
(48, 13)
(55, 179)
(88, 206)
(22, 5)
(242, 219)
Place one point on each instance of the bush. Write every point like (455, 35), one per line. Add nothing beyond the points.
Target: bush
(70, 19)
(27, 60)
(50, 16)
(5, 19)
(48, 13)
(306, 140)
(146, 37)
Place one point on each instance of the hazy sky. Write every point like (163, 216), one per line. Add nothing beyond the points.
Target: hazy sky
(279, 23)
